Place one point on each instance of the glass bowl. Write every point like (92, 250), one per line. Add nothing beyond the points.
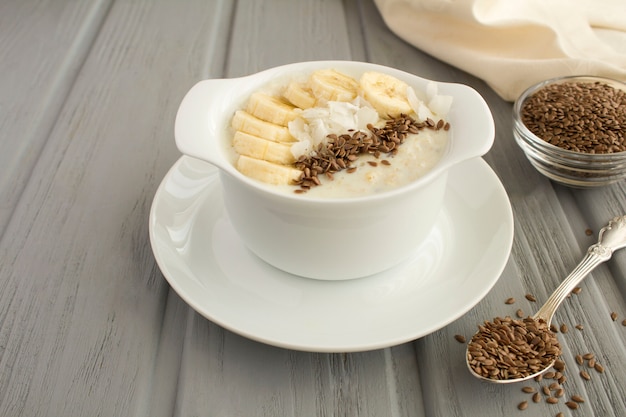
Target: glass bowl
(573, 168)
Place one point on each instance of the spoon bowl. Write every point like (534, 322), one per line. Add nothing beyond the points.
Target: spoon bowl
(611, 238)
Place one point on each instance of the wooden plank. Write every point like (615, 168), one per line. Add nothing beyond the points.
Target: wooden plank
(85, 312)
(43, 46)
(230, 375)
(266, 34)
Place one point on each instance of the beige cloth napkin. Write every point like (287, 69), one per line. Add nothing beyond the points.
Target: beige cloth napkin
(512, 44)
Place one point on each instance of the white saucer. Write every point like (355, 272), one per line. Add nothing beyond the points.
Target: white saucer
(207, 265)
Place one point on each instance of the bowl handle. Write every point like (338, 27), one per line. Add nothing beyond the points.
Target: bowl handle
(202, 120)
(477, 136)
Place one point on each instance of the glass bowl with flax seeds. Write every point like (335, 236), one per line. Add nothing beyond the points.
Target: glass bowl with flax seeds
(573, 129)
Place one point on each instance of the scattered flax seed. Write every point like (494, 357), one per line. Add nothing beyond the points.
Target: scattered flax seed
(519, 313)
(510, 300)
(385, 162)
(599, 368)
(528, 390)
(553, 386)
(571, 405)
(579, 326)
(591, 363)
(546, 390)
(624, 322)
(530, 297)
(563, 328)
(523, 405)
(578, 398)
(562, 379)
(549, 375)
(552, 400)
(554, 329)
(539, 377)
(577, 290)
(613, 316)
(588, 232)
(560, 392)
(585, 375)
(459, 338)
(560, 414)
(579, 359)
(536, 397)
(588, 356)
(559, 365)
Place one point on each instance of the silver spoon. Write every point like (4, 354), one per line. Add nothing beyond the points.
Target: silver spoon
(611, 238)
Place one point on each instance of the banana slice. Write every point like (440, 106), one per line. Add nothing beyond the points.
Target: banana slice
(259, 148)
(245, 122)
(267, 172)
(332, 85)
(387, 94)
(271, 109)
(299, 95)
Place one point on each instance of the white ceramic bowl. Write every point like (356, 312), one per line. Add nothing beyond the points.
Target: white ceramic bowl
(328, 239)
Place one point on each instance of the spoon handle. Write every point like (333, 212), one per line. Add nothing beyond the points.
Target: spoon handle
(611, 238)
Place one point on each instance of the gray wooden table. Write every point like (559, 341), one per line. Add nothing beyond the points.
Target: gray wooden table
(88, 324)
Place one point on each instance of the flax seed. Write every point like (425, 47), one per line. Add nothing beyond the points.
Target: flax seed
(559, 365)
(510, 300)
(578, 116)
(523, 405)
(459, 338)
(530, 297)
(534, 348)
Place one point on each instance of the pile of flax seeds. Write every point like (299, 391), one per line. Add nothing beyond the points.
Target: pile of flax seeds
(549, 385)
